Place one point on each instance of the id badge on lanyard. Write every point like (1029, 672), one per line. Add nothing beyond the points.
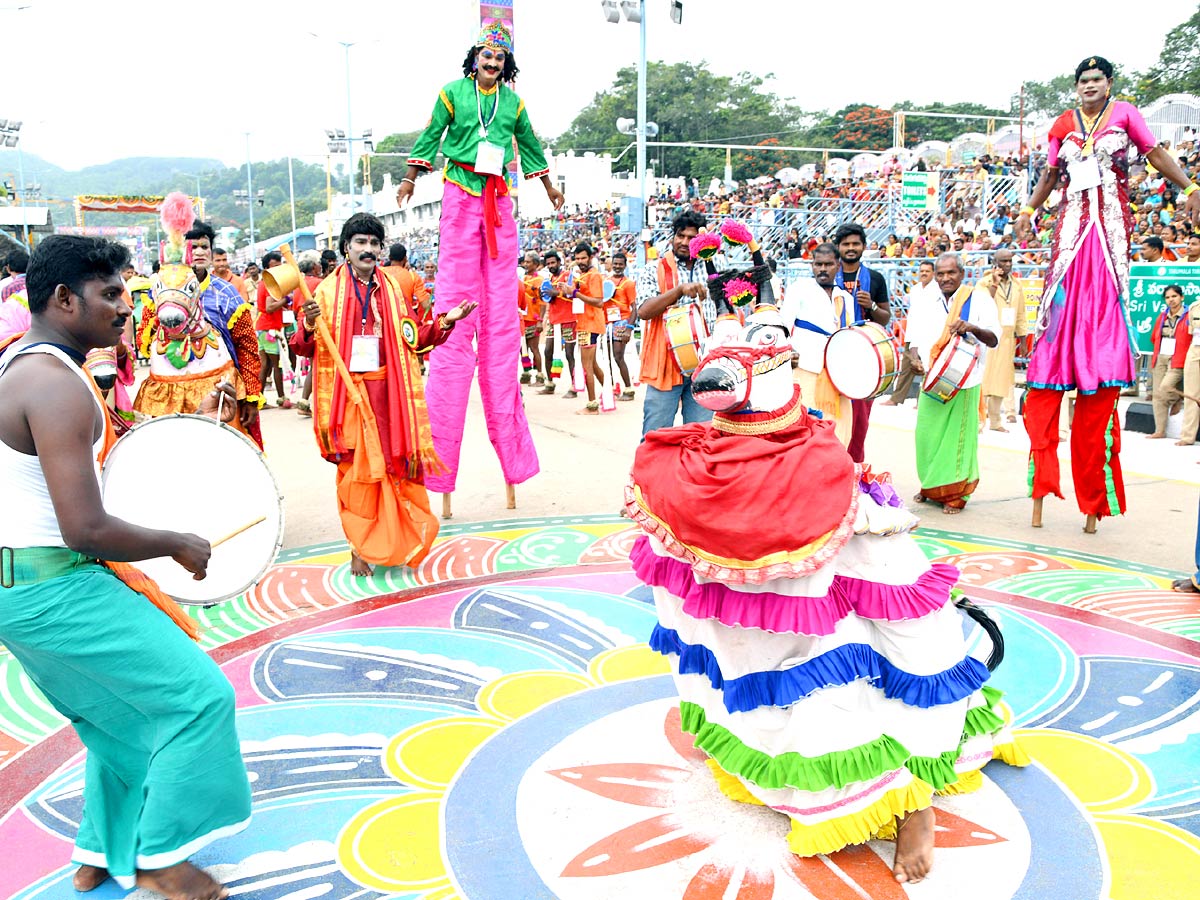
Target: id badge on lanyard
(489, 159)
(364, 353)
(1085, 173)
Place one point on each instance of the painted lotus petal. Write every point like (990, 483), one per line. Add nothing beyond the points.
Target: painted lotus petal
(288, 591)
(858, 864)
(983, 568)
(460, 557)
(955, 831)
(683, 744)
(654, 842)
(712, 883)
(638, 784)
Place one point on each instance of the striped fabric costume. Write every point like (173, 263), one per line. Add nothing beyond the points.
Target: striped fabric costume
(819, 659)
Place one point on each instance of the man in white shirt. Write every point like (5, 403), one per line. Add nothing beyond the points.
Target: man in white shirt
(814, 309)
(910, 362)
(947, 434)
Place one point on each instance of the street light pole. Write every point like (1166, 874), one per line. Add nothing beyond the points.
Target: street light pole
(250, 194)
(24, 199)
(349, 129)
(641, 129)
(292, 193)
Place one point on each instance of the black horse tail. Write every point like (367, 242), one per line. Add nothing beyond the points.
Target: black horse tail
(988, 624)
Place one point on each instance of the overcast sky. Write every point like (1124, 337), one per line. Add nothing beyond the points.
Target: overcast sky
(96, 81)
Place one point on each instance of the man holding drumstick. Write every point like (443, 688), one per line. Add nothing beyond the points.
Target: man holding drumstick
(948, 433)
(164, 772)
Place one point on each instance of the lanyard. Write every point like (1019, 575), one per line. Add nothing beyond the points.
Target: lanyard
(364, 303)
(1087, 137)
(483, 126)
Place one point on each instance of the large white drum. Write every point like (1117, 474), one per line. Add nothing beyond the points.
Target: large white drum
(192, 474)
(862, 360)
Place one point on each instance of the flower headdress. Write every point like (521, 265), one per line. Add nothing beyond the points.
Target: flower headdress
(496, 36)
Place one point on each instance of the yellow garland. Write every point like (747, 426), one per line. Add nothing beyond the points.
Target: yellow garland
(257, 399)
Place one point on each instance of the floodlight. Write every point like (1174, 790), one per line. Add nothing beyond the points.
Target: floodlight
(677, 11)
(632, 10)
(611, 13)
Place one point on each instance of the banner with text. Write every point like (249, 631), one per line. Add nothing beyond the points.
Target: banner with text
(919, 190)
(1146, 284)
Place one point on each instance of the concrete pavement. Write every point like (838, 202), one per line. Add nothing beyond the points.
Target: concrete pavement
(585, 462)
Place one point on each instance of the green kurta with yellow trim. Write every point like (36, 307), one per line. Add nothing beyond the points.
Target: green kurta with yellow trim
(454, 126)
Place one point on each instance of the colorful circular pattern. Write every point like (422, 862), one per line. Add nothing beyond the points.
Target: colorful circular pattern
(492, 725)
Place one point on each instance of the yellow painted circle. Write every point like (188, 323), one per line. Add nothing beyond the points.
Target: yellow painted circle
(1104, 778)
(628, 663)
(1150, 859)
(394, 845)
(429, 755)
(512, 696)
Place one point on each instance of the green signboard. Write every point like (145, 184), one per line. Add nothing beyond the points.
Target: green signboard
(1146, 284)
(919, 190)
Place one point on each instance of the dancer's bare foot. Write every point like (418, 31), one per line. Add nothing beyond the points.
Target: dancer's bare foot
(1184, 443)
(952, 510)
(999, 428)
(1157, 436)
(88, 878)
(919, 498)
(359, 567)
(182, 882)
(914, 846)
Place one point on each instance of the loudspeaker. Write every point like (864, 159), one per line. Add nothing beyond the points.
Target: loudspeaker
(1139, 417)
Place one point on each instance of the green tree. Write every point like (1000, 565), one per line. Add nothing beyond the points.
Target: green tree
(936, 128)
(1178, 68)
(402, 143)
(691, 104)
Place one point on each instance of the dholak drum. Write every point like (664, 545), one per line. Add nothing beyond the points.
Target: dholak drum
(862, 360)
(192, 474)
(686, 332)
(953, 366)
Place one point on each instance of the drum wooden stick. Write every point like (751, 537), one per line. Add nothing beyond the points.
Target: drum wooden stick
(219, 541)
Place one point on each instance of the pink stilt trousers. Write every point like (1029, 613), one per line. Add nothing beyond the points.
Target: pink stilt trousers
(489, 339)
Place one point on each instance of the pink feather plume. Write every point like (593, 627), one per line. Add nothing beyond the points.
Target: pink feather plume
(177, 214)
(704, 246)
(735, 232)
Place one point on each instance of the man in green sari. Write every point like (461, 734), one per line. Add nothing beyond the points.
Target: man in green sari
(948, 432)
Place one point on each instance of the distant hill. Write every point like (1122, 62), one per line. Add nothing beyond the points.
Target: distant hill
(135, 175)
(160, 174)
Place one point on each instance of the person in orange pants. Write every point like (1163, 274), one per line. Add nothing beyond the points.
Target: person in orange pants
(1095, 449)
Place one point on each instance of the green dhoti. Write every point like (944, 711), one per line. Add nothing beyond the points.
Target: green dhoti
(948, 447)
(164, 774)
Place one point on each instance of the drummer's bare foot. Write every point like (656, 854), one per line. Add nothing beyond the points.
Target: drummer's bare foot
(914, 846)
(1184, 586)
(1012, 420)
(359, 567)
(952, 510)
(999, 428)
(919, 498)
(88, 878)
(181, 882)
(1184, 443)
(1157, 436)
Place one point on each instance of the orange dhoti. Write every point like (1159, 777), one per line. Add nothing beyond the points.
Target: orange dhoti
(385, 516)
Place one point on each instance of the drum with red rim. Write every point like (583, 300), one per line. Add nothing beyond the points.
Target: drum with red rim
(862, 360)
